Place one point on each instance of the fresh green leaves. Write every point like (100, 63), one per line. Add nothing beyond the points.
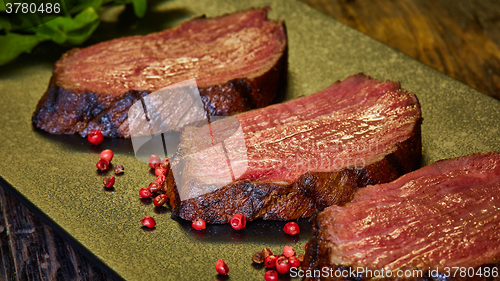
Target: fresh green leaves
(12, 45)
(139, 7)
(72, 30)
(23, 31)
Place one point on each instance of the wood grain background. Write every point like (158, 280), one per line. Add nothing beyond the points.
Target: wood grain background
(458, 37)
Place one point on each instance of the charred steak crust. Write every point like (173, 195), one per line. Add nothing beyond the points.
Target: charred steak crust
(312, 191)
(320, 248)
(64, 111)
(61, 111)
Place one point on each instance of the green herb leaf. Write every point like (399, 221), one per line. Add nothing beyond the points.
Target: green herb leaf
(5, 24)
(139, 7)
(70, 28)
(12, 45)
(73, 30)
(82, 4)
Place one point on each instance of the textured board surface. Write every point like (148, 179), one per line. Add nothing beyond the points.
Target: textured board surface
(57, 175)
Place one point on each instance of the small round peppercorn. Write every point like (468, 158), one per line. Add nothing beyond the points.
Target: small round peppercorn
(153, 187)
(288, 251)
(238, 222)
(270, 261)
(108, 182)
(95, 137)
(154, 161)
(294, 262)
(148, 221)
(144, 193)
(259, 257)
(281, 258)
(119, 169)
(282, 266)
(160, 172)
(107, 155)
(199, 224)
(291, 228)
(102, 165)
(165, 163)
(160, 179)
(221, 267)
(271, 275)
(160, 200)
(266, 252)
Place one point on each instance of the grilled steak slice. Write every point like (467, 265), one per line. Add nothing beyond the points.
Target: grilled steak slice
(238, 61)
(441, 216)
(306, 154)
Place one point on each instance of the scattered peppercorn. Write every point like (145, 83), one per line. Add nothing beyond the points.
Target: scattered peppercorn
(102, 165)
(160, 200)
(291, 228)
(144, 193)
(119, 169)
(221, 267)
(281, 258)
(154, 161)
(199, 224)
(259, 257)
(238, 222)
(107, 155)
(108, 182)
(148, 222)
(294, 262)
(282, 265)
(165, 163)
(154, 187)
(267, 252)
(160, 171)
(95, 137)
(288, 251)
(271, 275)
(160, 179)
(270, 261)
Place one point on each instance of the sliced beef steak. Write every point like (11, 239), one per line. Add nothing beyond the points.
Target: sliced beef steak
(238, 61)
(304, 154)
(441, 216)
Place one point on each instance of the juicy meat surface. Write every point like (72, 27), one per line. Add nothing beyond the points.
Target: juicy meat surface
(301, 155)
(446, 214)
(238, 61)
(212, 51)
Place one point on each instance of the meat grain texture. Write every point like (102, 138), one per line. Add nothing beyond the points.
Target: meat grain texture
(238, 61)
(441, 216)
(309, 153)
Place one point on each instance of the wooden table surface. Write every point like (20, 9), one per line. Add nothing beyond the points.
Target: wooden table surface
(458, 37)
